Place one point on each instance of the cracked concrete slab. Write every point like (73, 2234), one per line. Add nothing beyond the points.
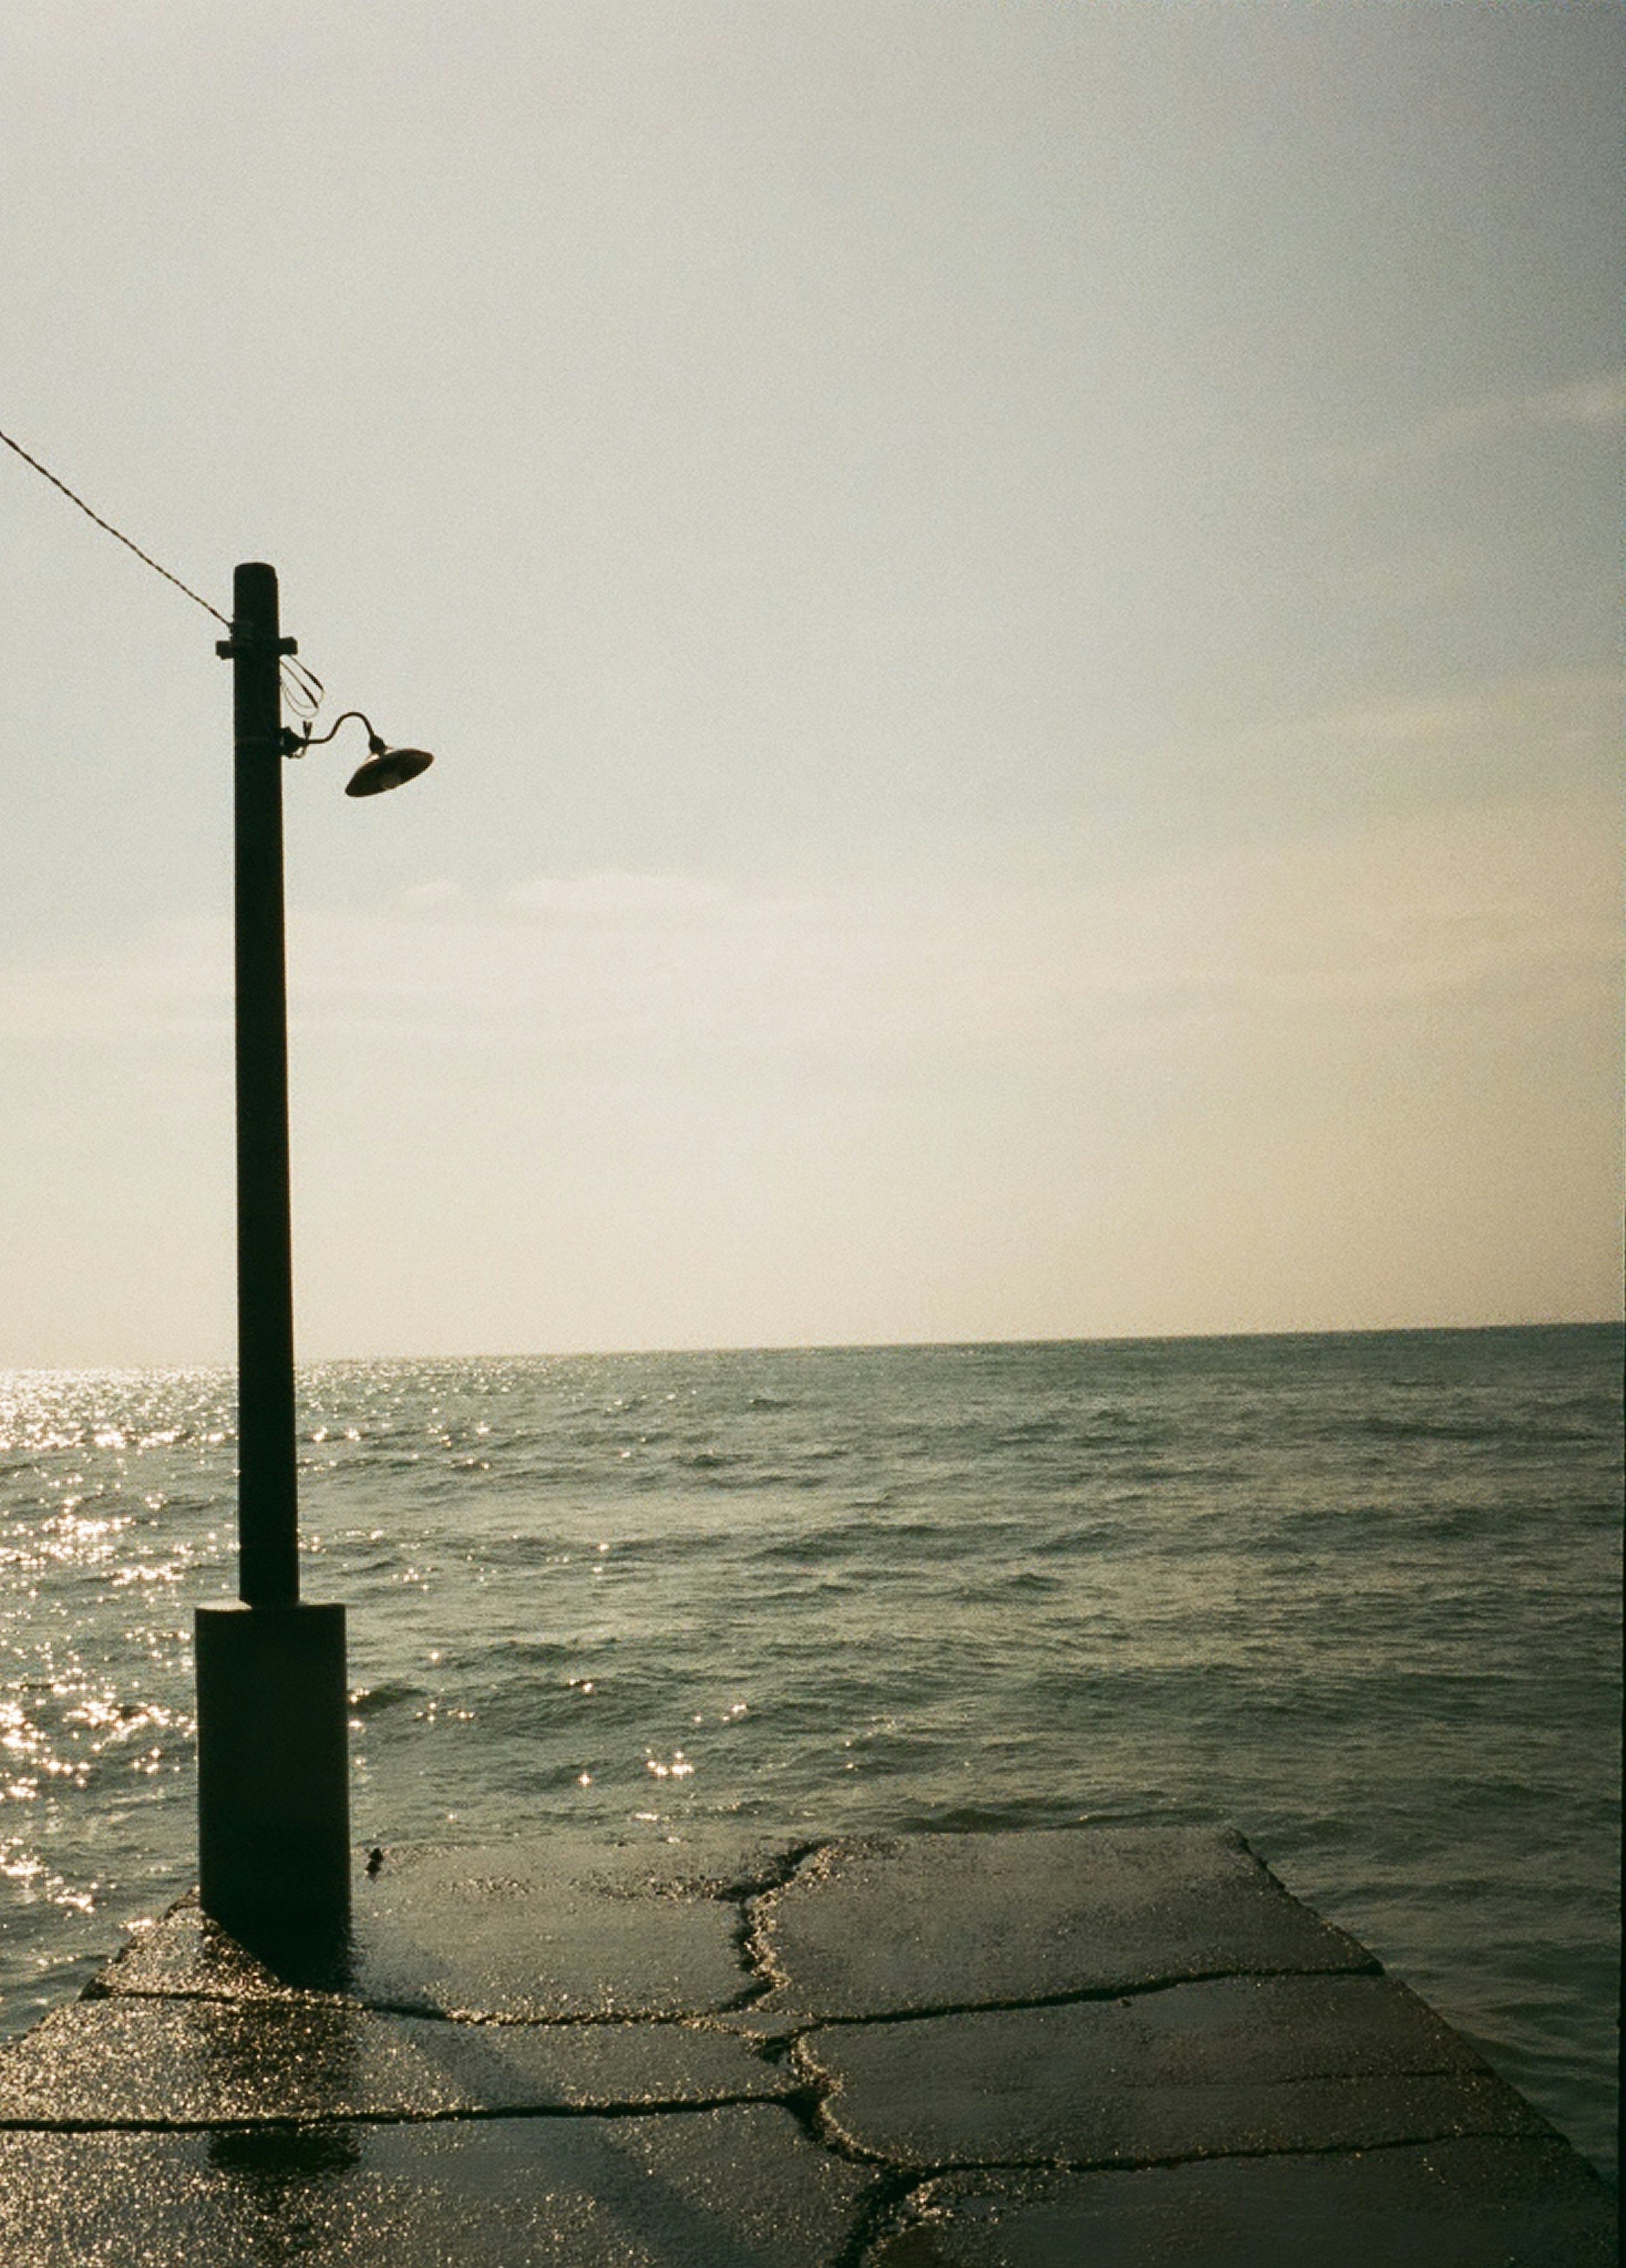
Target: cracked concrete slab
(1200, 2122)
(1470, 2204)
(213, 2062)
(877, 1926)
(609, 1991)
(740, 2188)
(570, 1927)
(1275, 2063)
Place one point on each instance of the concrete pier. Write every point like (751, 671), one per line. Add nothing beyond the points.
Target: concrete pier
(1116, 2045)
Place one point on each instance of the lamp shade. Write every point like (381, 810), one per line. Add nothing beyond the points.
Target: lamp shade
(388, 767)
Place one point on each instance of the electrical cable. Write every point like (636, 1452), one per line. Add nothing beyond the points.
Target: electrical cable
(302, 688)
(18, 450)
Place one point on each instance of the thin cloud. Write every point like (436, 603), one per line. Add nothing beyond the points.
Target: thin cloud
(1594, 404)
(1400, 913)
(614, 893)
(1543, 735)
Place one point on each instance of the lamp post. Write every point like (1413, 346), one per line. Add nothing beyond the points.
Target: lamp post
(272, 1704)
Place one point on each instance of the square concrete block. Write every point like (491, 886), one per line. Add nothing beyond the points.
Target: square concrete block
(712, 2189)
(572, 1927)
(871, 1927)
(1275, 2063)
(1477, 2204)
(196, 2063)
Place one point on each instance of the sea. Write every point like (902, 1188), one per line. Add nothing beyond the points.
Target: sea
(1358, 1595)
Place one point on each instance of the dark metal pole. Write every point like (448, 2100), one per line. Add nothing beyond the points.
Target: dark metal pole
(267, 1489)
(272, 1716)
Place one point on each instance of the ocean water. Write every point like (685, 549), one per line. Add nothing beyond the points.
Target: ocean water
(1356, 1594)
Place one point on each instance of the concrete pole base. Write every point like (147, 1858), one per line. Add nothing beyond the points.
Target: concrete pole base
(272, 1781)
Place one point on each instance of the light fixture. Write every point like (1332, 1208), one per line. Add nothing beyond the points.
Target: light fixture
(386, 767)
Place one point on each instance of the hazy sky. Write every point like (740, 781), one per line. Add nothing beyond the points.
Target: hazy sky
(1018, 606)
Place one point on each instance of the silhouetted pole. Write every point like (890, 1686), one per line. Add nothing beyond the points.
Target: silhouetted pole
(273, 1762)
(268, 1491)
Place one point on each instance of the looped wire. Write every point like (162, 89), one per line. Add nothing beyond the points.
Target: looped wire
(302, 689)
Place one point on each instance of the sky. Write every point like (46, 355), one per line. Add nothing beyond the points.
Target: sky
(1017, 602)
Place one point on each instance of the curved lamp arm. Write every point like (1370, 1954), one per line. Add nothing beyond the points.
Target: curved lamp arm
(384, 767)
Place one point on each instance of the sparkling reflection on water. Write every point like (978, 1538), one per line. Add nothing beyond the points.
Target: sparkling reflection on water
(1356, 1594)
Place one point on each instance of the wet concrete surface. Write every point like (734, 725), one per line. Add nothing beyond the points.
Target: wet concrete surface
(873, 1928)
(1473, 2204)
(1243, 2065)
(713, 2188)
(1111, 2045)
(201, 2063)
(536, 1933)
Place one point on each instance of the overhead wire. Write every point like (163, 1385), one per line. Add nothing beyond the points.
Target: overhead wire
(301, 687)
(44, 471)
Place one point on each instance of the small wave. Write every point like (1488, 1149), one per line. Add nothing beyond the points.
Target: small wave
(373, 1700)
(1032, 1429)
(994, 1817)
(1020, 1581)
(1379, 1426)
(1087, 1535)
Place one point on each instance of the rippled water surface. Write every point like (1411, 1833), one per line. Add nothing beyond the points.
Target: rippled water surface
(1358, 1595)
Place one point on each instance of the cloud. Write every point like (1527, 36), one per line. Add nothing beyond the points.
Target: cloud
(173, 981)
(1399, 914)
(1595, 404)
(679, 975)
(1458, 845)
(1367, 1074)
(1425, 911)
(612, 892)
(1599, 402)
(1541, 737)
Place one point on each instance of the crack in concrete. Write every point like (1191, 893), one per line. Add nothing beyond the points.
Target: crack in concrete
(915, 2173)
(299, 1997)
(325, 2121)
(797, 2026)
(746, 1941)
(927, 2169)
(876, 2219)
